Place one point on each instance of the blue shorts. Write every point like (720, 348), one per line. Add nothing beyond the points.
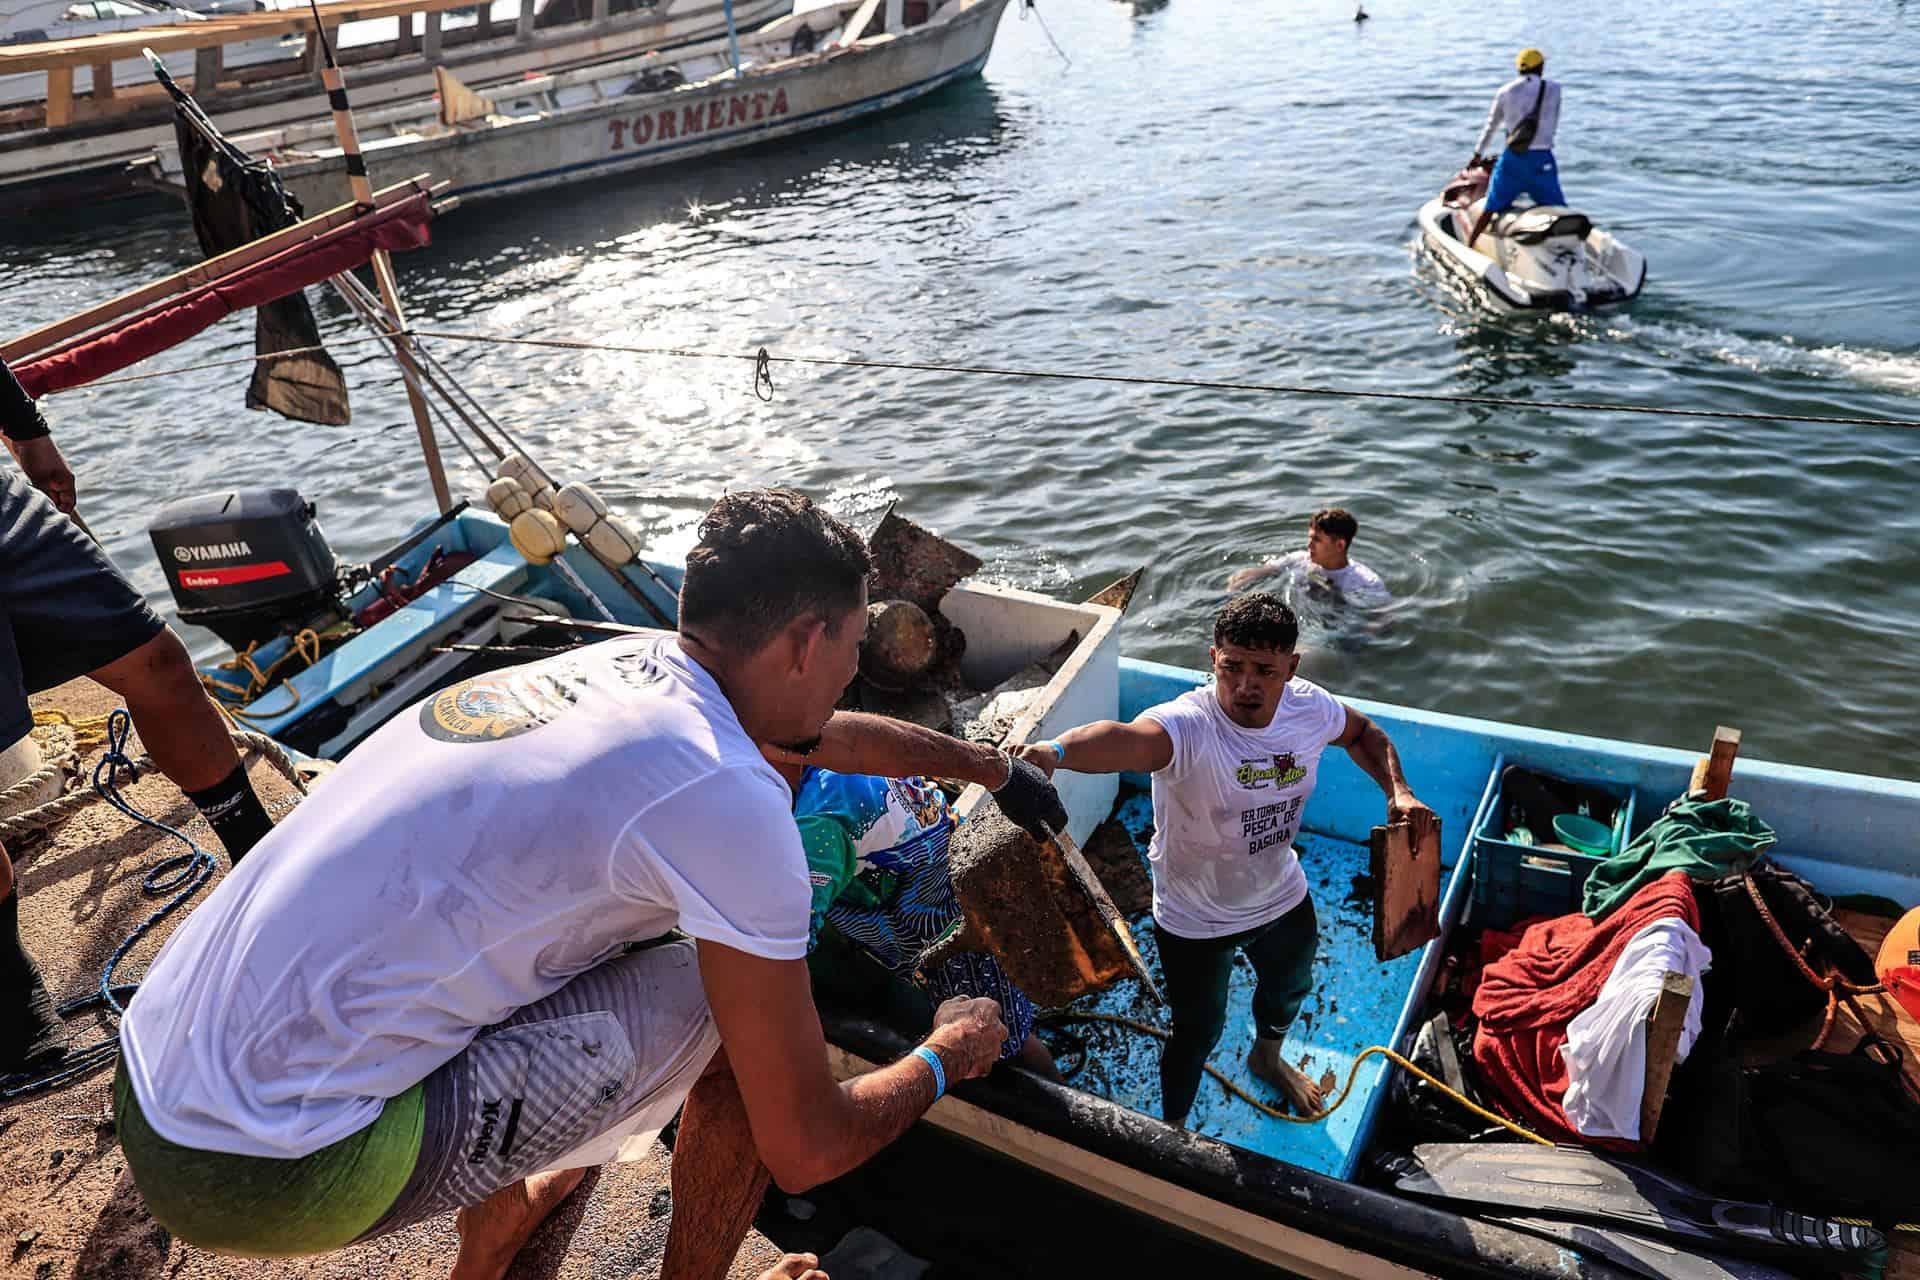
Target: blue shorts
(1518, 173)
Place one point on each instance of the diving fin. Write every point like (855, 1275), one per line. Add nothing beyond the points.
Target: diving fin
(1563, 1182)
(1654, 1259)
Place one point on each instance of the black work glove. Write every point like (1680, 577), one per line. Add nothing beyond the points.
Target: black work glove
(1030, 802)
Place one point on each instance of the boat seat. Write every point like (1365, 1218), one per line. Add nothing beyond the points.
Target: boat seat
(1544, 222)
(392, 643)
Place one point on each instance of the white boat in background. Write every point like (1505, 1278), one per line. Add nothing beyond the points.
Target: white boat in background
(1532, 257)
(68, 144)
(41, 21)
(806, 71)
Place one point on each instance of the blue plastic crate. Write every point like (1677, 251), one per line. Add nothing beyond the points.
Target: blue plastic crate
(1513, 882)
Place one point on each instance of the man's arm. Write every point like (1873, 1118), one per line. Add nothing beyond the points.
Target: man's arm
(27, 439)
(855, 742)
(1373, 751)
(1492, 127)
(1244, 578)
(808, 1127)
(1105, 746)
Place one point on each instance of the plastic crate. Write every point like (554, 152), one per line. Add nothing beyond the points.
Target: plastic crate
(1513, 882)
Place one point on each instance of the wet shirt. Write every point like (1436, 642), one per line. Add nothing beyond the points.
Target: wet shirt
(472, 856)
(1514, 103)
(1228, 806)
(1355, 583)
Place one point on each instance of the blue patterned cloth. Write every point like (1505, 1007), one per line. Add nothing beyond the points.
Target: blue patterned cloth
(877, 858)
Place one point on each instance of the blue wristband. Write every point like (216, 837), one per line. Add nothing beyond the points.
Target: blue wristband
(1059, 752)
(932, 1060)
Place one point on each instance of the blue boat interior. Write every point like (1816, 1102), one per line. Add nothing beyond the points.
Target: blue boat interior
(1844, 833)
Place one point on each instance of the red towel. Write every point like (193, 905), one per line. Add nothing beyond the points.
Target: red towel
(1528, 996)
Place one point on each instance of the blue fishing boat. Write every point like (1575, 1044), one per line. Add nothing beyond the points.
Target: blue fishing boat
(1307, 1198)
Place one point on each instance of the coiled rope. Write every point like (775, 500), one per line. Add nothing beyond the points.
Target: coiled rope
(1353, 1072)
(181, 875)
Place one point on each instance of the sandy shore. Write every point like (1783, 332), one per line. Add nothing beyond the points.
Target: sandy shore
(67, 1208)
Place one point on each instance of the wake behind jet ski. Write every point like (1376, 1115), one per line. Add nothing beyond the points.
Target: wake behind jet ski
(1541, 255)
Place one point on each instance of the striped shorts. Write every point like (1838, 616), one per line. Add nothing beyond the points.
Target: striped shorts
(589, 1074)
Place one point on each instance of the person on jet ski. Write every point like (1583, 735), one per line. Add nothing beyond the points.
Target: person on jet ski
(1528, 108)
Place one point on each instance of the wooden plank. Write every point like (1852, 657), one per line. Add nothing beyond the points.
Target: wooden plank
(81, 51)
(430, 43)
(857, 24)
(59, 97)
(601, 8)
(102, 82)
(523, 29)
(1713, 773)
(61, 331)
(1664, 1024)
(1406, 886)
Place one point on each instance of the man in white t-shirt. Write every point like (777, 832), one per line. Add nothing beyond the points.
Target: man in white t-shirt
(421, 993)
(1325, 564)
(1233, 767)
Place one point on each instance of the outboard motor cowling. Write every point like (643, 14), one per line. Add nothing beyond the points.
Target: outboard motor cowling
(247, 565)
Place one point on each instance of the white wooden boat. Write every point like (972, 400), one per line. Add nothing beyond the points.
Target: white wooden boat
(94, 117)
(805, 71)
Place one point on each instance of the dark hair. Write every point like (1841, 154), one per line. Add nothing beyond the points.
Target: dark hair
(1337, 522)
(766, 557)
(1257, 620)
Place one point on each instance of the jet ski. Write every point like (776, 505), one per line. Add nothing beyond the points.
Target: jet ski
(1540, 257)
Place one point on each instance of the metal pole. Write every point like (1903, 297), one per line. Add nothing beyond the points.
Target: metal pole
(349, 136)
(733, 38)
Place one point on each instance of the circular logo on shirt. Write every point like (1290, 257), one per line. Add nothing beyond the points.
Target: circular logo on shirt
(500, 704)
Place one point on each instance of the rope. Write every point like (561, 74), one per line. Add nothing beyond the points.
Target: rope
(992, 371)
(181, 875)
(1353, 1072)
(1836, 987)
(308, 645)
(1269, 388)
(72, 802)
(88, 731)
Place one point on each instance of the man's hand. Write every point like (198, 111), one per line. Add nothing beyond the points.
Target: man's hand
(1040, 756)
(967, 1034)
(1404, 804)
(1244, 578)
(47, 470)
(1029, 800)
(795, 1266)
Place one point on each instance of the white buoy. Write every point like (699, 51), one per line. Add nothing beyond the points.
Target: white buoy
(538, 484)
(538, 536)
(508, 498)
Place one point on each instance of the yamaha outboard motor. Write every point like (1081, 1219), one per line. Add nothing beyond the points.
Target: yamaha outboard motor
(246, 565)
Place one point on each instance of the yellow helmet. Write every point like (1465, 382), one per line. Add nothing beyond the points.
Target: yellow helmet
(1530, 60)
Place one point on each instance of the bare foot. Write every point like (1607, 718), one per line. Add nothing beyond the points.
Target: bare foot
(795, 1266)
(1302, 1094)
(494, 1230)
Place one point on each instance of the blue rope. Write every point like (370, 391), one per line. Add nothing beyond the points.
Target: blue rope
(181, 875)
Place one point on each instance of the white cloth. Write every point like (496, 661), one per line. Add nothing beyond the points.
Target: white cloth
(1226, 809)
(1514, 103)
(469, 858)
(1606, 1046)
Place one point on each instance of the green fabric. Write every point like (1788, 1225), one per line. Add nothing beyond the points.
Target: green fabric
(257, 1207)
(831, 866)
(1706, 839)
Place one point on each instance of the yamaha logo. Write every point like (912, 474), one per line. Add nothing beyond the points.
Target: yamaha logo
(211, 551)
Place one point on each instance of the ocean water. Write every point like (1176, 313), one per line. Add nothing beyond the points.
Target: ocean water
(1214, 190)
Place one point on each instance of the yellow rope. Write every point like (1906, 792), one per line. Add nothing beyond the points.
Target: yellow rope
(308, 646)
(88, 731)
(1378, 1050)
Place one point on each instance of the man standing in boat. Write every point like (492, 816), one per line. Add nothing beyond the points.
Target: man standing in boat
(424, 996)
(1528, 108)
(1233, 767)
(65, 611)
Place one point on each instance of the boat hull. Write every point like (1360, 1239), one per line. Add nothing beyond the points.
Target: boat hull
(1616, 272)
(663, 128)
